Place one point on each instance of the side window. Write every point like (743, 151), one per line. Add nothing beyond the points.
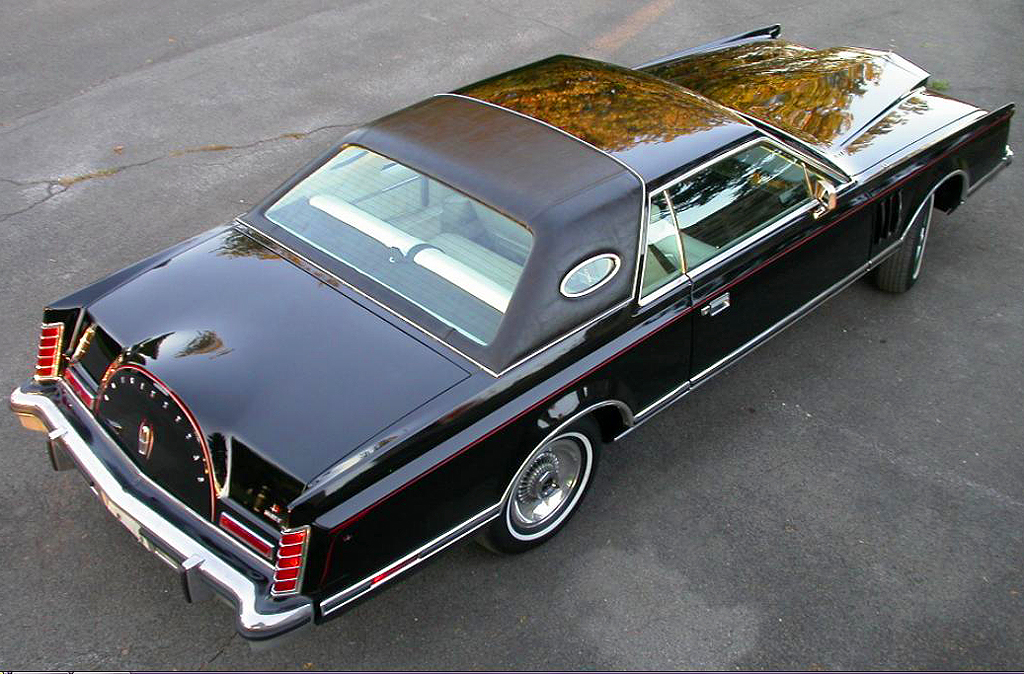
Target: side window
(735, 198)
(663, 262)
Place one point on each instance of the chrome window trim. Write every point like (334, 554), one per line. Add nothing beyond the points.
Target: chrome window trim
(644, 300)
(753, 239)
(616, 264)
(839, 170)
(545, 347)
(361, 220)
(663, 290)
(679, 234)
(763, 138)
(690, 274)
(261, 234)
(688, 385)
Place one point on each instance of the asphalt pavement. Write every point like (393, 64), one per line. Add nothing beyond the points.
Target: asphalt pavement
(850, 496)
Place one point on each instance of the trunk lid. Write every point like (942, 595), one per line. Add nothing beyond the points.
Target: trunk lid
(266, 355)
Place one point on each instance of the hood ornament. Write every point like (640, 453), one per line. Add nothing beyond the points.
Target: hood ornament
(145, 439)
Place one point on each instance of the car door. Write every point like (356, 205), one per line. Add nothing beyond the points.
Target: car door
(658, 366)
(758, 247)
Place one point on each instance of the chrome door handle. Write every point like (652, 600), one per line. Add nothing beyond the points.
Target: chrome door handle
(716, 306)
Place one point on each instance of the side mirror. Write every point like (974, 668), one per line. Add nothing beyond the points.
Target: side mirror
(824, 193)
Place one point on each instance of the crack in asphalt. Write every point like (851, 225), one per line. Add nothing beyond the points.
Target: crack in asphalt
(220, 652)
(55, 186)
(531, 19)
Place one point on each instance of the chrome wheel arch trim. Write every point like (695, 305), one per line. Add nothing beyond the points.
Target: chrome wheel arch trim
(922, 237)
(626, 412)
(929, 196)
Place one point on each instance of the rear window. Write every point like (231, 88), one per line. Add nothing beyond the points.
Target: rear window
(453, 257)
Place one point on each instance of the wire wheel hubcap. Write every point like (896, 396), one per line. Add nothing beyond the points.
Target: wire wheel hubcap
(548, 484)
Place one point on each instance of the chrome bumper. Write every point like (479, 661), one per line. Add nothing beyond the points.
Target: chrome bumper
(203, 572)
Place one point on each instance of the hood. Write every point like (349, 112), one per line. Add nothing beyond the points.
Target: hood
(824, 97)
(267, 355)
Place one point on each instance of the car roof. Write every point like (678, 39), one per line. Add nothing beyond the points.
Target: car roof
(576, 200)
(649, 124)
(566, 146)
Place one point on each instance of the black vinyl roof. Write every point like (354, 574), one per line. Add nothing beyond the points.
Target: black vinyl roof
(506, 161)
(564, 146)
(575, 199)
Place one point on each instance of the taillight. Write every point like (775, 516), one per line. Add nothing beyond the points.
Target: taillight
(48, 359)
(291, 559)
(240, 531)
(83, 394)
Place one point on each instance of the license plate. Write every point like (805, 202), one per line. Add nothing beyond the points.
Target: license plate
(132, 525)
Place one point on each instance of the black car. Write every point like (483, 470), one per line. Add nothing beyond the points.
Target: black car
(430, 331)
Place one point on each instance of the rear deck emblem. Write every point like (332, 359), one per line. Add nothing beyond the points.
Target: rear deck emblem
(145, 438)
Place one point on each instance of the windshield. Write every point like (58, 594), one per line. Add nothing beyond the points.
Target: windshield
(451, 256)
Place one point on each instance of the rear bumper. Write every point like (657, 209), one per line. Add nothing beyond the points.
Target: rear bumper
(208, 562)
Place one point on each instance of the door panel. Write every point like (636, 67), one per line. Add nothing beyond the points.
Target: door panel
(775, 277)
(661, 361)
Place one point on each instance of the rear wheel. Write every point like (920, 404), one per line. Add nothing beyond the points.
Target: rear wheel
(900, 270)
(546, 490)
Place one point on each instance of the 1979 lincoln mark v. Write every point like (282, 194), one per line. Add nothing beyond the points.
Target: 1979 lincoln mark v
(431, 330)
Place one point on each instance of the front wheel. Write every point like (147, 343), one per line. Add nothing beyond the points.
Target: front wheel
(900, 270)
(546, 489)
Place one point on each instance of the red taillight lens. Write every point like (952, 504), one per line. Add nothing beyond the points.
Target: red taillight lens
(290, 550)
(291, 558)
(78, 388)
(287, 574)
(48, 358)
(237, 529)
(282, 587)
(294, 538)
